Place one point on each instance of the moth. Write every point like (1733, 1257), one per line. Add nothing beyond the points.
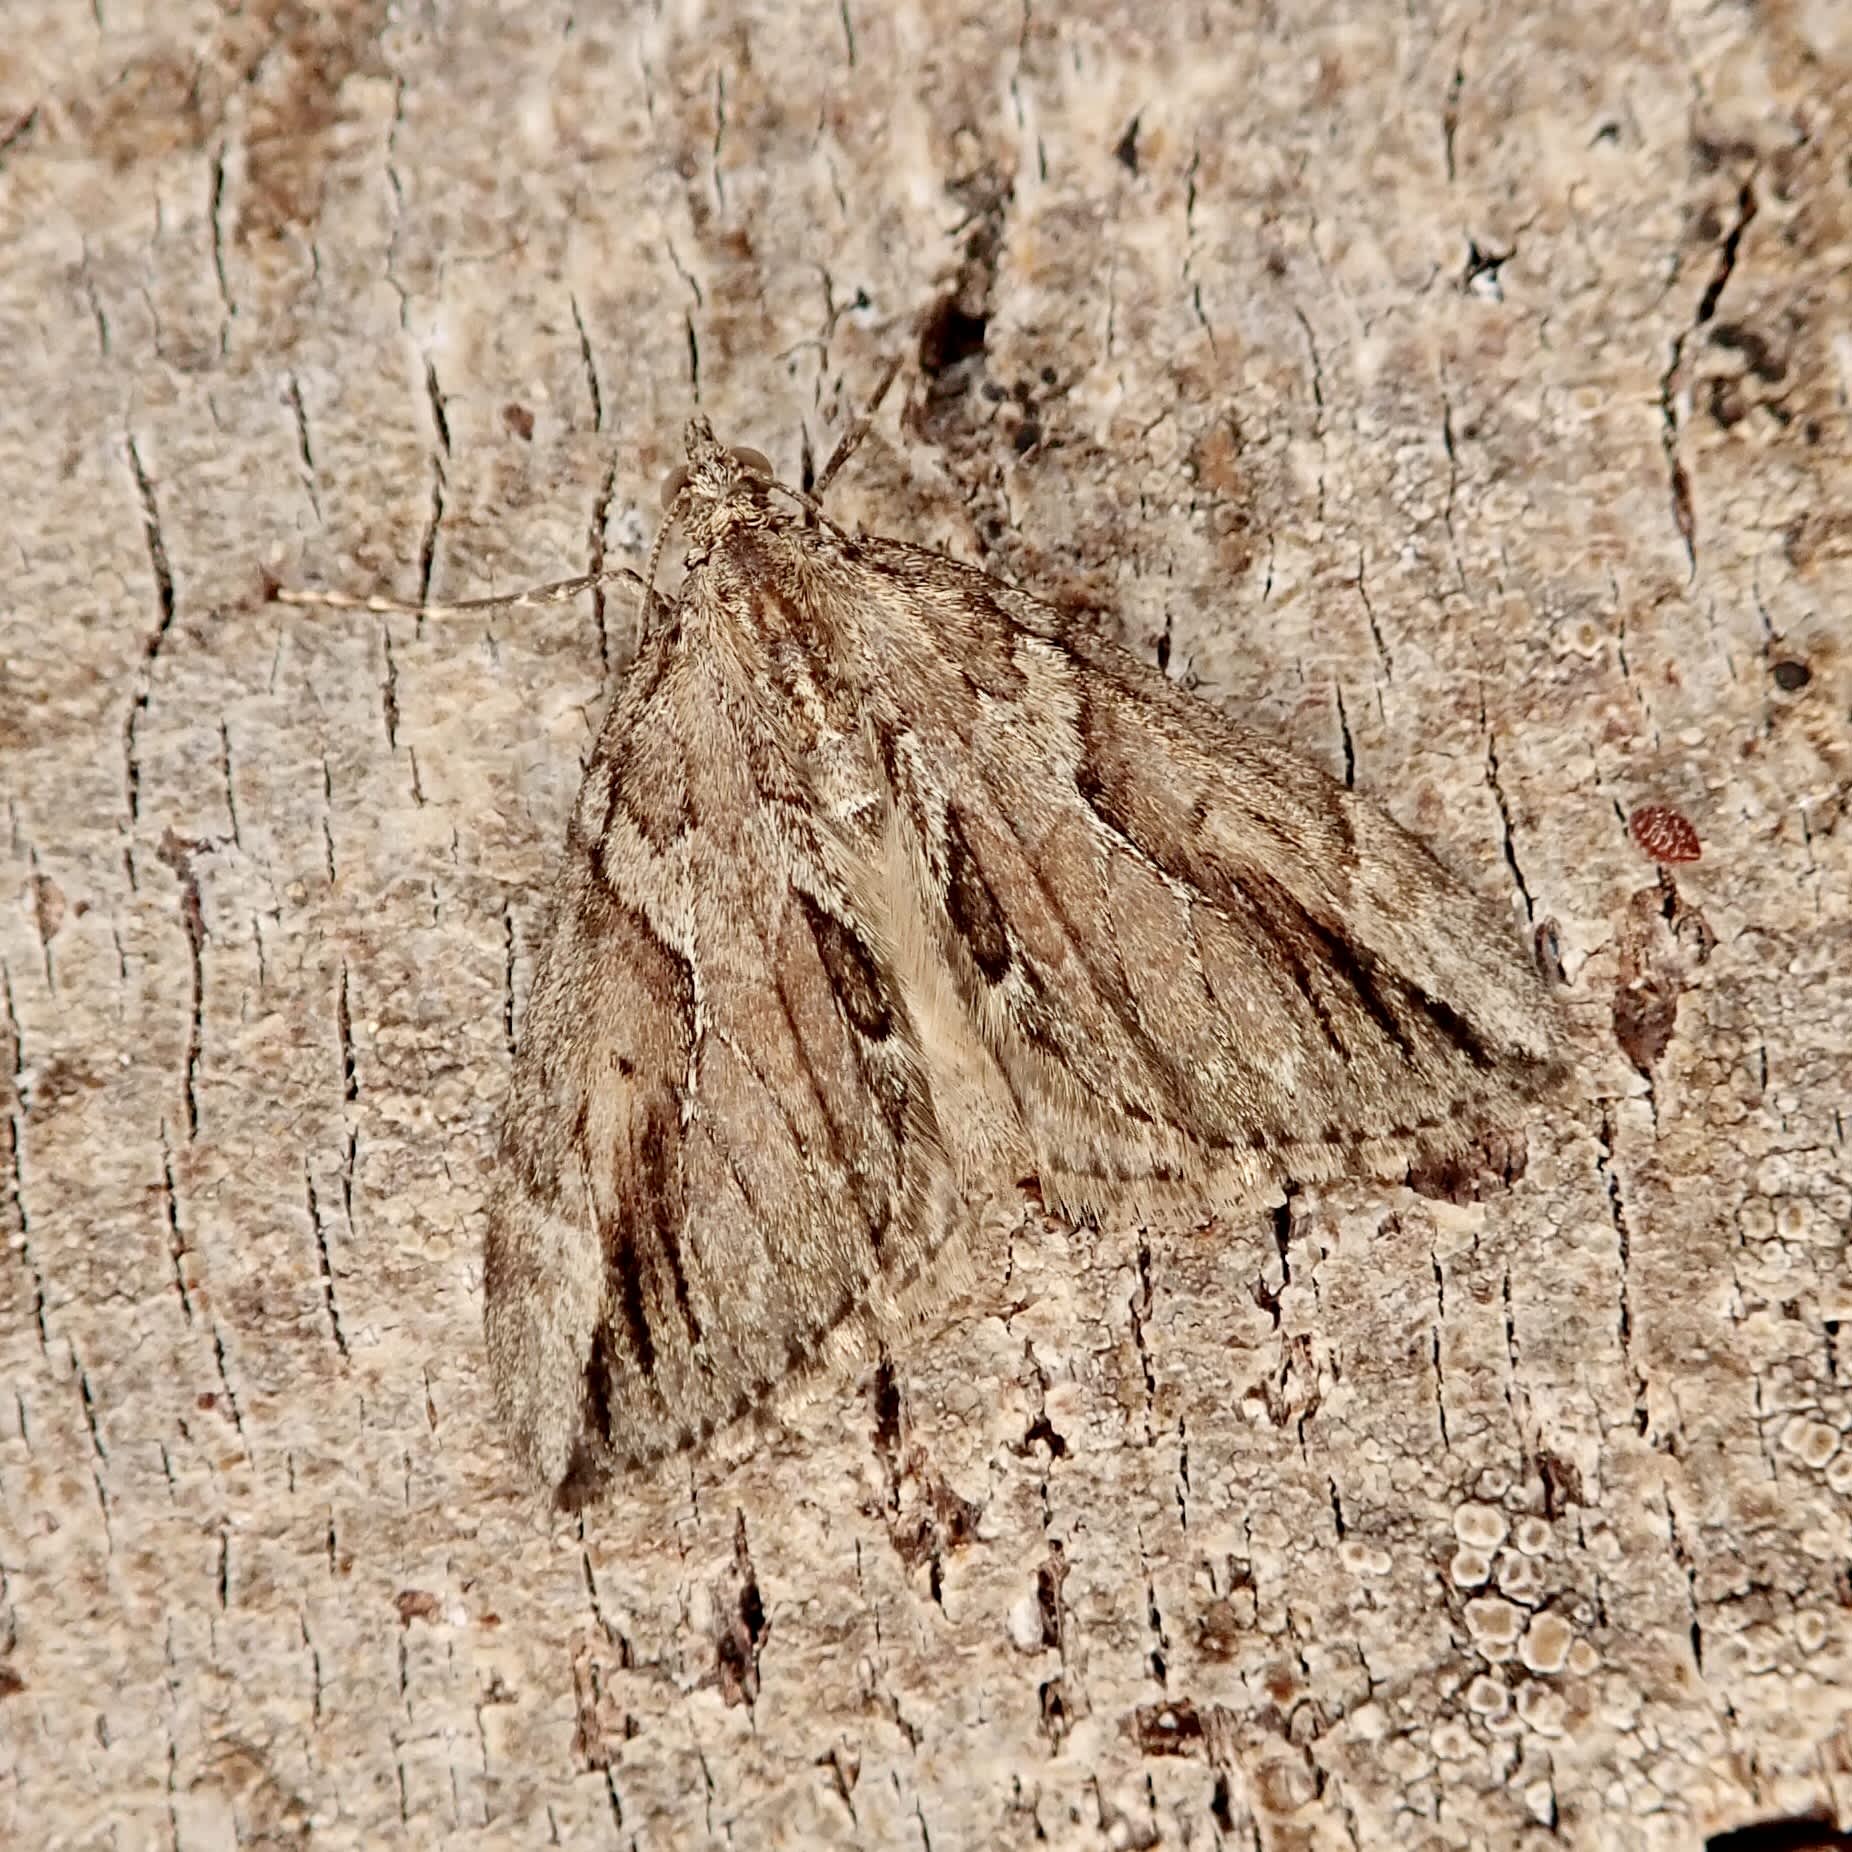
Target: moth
(889, 886)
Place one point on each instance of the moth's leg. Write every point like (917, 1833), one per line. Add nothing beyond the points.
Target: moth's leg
(557, 593)
(858, 429)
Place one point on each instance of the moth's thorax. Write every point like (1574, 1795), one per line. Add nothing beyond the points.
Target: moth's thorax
(773, 591)
(765, 613)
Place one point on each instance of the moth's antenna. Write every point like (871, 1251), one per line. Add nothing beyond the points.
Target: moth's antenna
(674, 504)
(811, 507)
(858, 429)
(559, 592)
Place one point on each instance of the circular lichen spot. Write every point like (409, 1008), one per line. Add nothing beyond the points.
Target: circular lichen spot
(1583, 1659)
(1547, 1642)
(1494, 1621)
(1532, 1535)
(1519, 1576)
(1813, 1443)
(1542, 1707)
(1363, 1559)
(1810, 1630)
(1450, 1740)
(1791, 1219)
(1469, 1567)
(1480, 1527)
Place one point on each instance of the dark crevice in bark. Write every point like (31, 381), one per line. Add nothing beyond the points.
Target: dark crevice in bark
(177, 854)
(325, 1265)
(157, 638)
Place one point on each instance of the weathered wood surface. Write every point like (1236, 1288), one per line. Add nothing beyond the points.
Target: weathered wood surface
(1461, 391)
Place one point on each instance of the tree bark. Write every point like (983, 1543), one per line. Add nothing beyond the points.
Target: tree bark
(1460, 392)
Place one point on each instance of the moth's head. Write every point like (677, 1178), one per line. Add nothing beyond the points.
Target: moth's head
(717, 486)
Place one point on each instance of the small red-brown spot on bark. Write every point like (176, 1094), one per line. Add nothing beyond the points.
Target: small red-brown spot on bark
(1664, 833)
(417, 1604)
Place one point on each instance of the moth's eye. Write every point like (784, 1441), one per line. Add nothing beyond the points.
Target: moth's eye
(673, 484)
(754, 461)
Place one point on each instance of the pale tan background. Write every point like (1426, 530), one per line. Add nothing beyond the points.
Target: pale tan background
(1460, 391)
